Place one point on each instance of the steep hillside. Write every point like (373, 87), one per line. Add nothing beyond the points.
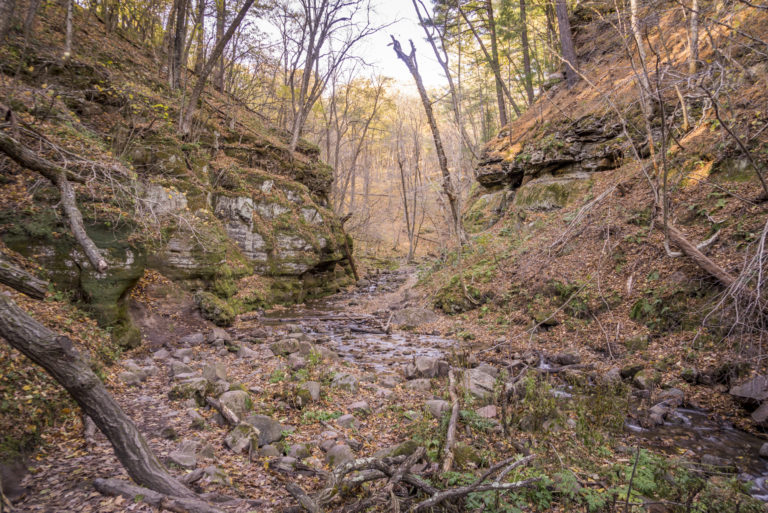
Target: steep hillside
(566, 255)
(228, 213)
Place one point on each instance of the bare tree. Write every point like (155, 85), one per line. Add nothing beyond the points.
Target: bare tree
(327, 31)
(185, 124)
(221, 23)
(525, 48)
(447, 185)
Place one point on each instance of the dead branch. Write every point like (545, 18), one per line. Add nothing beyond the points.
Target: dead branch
(450, 437)
(116, 487)
(691, 251)
(230, 416)
(21, 280)
(59, 177)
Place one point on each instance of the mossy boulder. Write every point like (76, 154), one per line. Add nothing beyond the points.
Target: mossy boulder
(215, 309)
(551, 193)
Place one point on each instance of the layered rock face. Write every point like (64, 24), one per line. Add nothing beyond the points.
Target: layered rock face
(543, 168)
(233, 204)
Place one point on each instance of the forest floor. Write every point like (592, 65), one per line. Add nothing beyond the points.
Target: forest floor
(574, 422)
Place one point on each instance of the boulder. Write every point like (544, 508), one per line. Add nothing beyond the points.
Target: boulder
(218, 335)
(360, 407)
(238, 401)
(389, 380)
(241, 437)
(296, 361)
(566, 358)
(402, 449)
(216, 475)
(760, 415)
(344, 381)
(436, 407)
(488, 369)
(185, 455)
(338, 455)
(270, 430)
(196, 420)
(426, 367)
(186, 355)
(629, 371)
(641, 380)
(193, 388)
(300, 451)
(178, 368)
(672, 397)
(162, 354)
(752, 392)
(246, 352)
(487, 412)
(131, 378)
(269, 451)
(764, 450)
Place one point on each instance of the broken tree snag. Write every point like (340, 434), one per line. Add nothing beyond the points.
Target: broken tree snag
(59, 358)
(21, 280)
(59, 177)
(116, 487)
(450, 437)
(691, 251)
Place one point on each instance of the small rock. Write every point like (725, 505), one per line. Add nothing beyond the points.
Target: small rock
(269, 451)
(347, 421)
(629, 371)
(338, 455)
(760, 415)
(178, 368)
(641, 380)
(390, 380)
(131, 378)
(360, 407)
(326, 445)
(764, 450)
(690, 375)
(215, 475)
(184, 456)
(193, 339)
(488, 369)
(207, 452)
(215, 372)
(426, 367)
(217, 335)
(410, 318)
(193, 388)
(284, 347)
(241, 437)
(307, 392)
(479, 384)
(566, 358)
(161, 354)
(419, 385)
(186, 355)
(437, 407)
(286, 464)
(238, 401)
(270, 430)
(403, 449)
(296, 361)
(487, 412)
(299, 451)
(246, 352)
(346, 382)
(197, 420)
(672, 397)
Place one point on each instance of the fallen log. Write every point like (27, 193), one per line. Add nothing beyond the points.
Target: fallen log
(117, 487)
(21, 280)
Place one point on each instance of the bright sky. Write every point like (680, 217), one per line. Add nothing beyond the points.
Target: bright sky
(405, 26)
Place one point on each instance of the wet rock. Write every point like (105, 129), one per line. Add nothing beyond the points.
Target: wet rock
(751, 392)
(346, 382)
(612, 377)
(642, 381)
(299, 451)
(629, 371)
(436, 407)
(410, 318)
(238, 401)
(347, 421)
(426, 367)
(193, 339)
(419, 385)
(269, 451)
(479, 384)
(672, 397)
(308, 392)
(241, 437)
(338, 455)
(360, 407)
(565, 358)
(270, 430)
(184, 456)
(215, 372)
(284, 347)
(296, 361)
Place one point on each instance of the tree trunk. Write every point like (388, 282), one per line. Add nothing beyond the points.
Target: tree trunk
(59, 358)
(221, 20)
(638, 37)
(7, 8)
(21, 280)
(410, 62)
(566, 42)
(179, 38)
(503, 119)
(528, 80)
(694, 38)
(189, 111)
(200, 53)
(69, 29)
